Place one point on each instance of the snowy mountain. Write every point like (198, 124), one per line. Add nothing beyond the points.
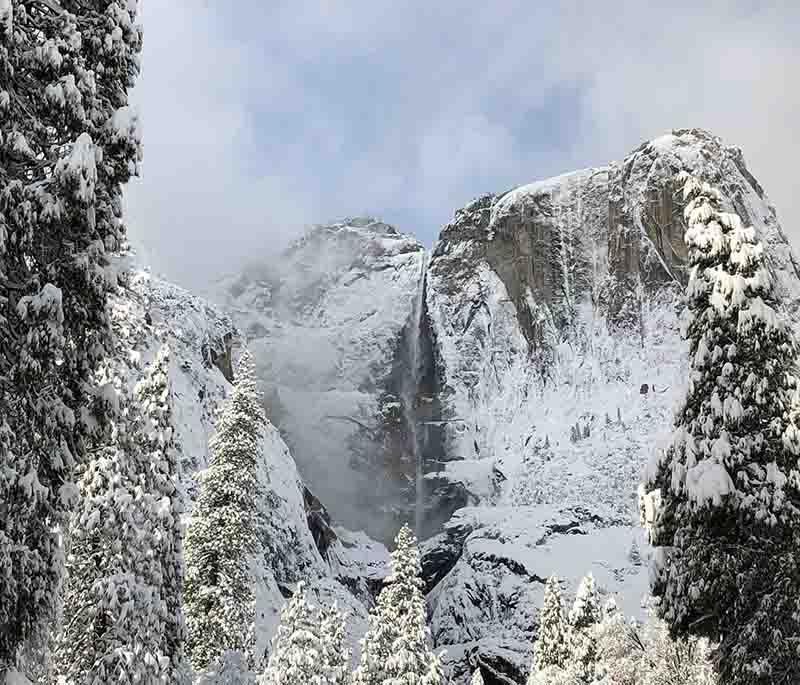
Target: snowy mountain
(328, 326)
(298, 542)
(503, 392)
(554, 315)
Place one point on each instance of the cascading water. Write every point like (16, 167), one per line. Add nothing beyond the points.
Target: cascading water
(411, 398)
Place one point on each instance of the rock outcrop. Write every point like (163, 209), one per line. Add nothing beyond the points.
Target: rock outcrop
(513, 271)
(550, 307)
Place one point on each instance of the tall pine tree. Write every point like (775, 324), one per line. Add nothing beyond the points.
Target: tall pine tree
(67, 144)
(157, 440)
(114, 615)
(223, 536)
(583, 619)
(335, 655)
(726, 490)
(396, 648)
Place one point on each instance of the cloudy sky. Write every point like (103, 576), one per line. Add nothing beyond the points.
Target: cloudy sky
(262, 117)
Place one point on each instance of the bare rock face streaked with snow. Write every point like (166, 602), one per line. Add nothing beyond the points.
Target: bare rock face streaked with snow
(554, 316)
(513, 271)
(203, 345)
(327, 324)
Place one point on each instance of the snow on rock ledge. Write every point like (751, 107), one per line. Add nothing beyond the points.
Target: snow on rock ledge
(484, 610)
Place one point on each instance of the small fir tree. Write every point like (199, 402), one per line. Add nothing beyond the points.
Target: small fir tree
(551, 647)
(223, 535)
(114, 615)
(308, 647)
(583, 619)
(335, 655)
(396, 648)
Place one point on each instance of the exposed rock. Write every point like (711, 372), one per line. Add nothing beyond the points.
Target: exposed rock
(484, 610)
(319, 522)
(512, 271)
(360, 564)
(577, 278)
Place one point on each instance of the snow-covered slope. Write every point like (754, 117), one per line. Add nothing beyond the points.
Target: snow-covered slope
(326, 324)
(203, 345)
(556, 476)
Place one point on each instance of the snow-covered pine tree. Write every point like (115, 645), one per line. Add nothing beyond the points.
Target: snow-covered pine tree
(114, 616)
(298, 654)
(223, 534)
(154, 395)
(551, 647)
(631, 654)
(67, 144)
(620, 650)
(585, 610)
(555, 675)
(396, 648)
(335, 655)
(583, 619)
(230, 668)
(665, 660)
(726, 490)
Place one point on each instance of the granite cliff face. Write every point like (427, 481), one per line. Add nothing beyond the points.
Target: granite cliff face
(512, 272)
(553, 313)
(503, 392)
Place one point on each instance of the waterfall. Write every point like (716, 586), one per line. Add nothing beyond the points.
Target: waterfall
(411, 397)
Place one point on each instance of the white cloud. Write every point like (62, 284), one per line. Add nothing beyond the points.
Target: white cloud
(262, 117)
(204, 199)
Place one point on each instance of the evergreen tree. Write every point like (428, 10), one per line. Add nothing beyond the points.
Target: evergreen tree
(396, 648)
(308, 647)
(67, 144)
(154, 394)
(551, 647)
(335, 655)
(583, 619)
(585, 610)
(555, 675)
(666, 661)
(230, 668)
(114, 615)
(727, 487)
(223, 536)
